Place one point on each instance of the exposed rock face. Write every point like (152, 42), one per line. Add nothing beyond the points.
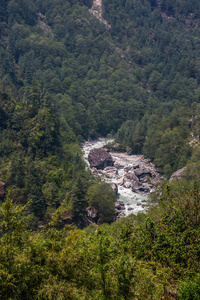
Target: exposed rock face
(2, 188)
(43, 24)
(178, 174)
(100, 158)
(97, 10)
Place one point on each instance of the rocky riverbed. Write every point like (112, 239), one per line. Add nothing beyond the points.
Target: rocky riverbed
(131, 176)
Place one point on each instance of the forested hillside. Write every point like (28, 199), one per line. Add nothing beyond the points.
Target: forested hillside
(144, 69)
(161, 42)
(65, 77)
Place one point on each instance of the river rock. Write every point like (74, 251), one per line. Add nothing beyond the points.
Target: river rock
(143, 171)
(114, 187)
(95, 172)
(147, 187)
(135, 166)
(136, 186)
(100, 158)
(119, 205)
(119, 209)
(120, 181)
(121, 215)
(111, 171)
(143, 188)
(128, 184)
(130, 176)
(118, 165)
(128, 168)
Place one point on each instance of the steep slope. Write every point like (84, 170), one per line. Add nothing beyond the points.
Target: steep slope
(65, 77)
(162, 43)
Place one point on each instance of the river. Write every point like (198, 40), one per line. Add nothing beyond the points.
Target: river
(134, 202)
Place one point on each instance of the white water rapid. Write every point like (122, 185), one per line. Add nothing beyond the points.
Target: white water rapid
(134, 202)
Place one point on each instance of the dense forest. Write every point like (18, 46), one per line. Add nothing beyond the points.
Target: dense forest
(65, 77)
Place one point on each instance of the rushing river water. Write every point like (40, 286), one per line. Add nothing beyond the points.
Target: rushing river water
(134, 202)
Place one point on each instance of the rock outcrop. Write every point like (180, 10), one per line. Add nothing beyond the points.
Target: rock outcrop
(100, 158)
(97, 10)
(42, 22)
(178, 174)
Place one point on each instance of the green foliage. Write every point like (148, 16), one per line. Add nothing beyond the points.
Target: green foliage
(190, 290)
(142, 256)
(101, 196)
(79, 202)
(65, 78)
(132, 79)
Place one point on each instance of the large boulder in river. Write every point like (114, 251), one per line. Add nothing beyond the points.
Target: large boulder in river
(111, 171)
(130, 176)
(143, 171)
(136, 186)
(100, 158)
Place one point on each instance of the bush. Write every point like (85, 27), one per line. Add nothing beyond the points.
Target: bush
(191, 290)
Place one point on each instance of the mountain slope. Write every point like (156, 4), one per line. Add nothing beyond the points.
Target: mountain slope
(66, 77)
